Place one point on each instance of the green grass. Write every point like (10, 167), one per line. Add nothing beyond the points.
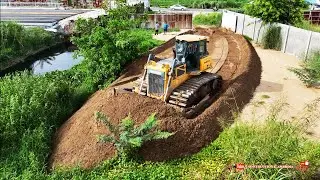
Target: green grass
(211, 19)
(274, 142)
(16, 40)
(308, 26)
(200, 3)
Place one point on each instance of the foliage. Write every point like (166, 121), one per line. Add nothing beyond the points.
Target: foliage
(110, 43)
(272, 38)
(308, 26)
(282, 11)
(212, 19)
(201, 3)
(274, 142)
(309, 73)
(18, 41)
(32, 107)
(127, 137)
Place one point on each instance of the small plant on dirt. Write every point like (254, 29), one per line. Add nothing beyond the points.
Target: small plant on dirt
(272, 38)
(127, 137)
(309, 73)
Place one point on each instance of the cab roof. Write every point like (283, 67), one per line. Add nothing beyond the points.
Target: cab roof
(191, 38)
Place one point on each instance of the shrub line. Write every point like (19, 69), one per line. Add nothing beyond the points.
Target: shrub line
(17, 60)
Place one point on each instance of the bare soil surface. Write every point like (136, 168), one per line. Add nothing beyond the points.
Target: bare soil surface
(75, 143)
(277, 85)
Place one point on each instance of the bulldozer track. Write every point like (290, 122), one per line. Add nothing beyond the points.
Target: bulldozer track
(188, 92)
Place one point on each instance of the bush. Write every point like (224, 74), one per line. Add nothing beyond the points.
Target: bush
(272, 38)
(309, 73)
(109, 44)
(128, 138)
(212, 19)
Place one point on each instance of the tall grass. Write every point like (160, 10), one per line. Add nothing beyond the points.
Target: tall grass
(272, 38)
(16, 41)
(211, 19)
(30, 109)
(309, 73)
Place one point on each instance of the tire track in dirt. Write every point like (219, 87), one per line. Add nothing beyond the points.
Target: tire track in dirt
(76, 142)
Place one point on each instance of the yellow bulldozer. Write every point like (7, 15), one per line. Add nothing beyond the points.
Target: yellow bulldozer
(183, 80)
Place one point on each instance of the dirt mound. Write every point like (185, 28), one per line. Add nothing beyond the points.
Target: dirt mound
(75, 142)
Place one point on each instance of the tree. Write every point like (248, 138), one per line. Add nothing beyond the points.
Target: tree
(282, 11)
(108, 43)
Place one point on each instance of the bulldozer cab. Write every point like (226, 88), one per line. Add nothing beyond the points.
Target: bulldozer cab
(190, 49)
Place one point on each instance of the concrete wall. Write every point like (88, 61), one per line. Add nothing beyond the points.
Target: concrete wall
(295, 41)
(314, 42)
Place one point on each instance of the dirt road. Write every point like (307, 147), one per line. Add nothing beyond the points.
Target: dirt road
(279, 84)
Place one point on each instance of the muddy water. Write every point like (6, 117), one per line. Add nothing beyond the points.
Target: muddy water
(59, 57)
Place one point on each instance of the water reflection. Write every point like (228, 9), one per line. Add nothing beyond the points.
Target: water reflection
(59, 58)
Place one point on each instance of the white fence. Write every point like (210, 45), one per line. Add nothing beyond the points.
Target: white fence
(295, 41)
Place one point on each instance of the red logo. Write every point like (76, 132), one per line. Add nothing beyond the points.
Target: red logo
(240, 167)
(303, 166)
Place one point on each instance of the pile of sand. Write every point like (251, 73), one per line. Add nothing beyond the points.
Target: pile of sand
(75, 143)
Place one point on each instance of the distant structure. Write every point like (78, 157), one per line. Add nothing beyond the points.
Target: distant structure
(80, 3)
(135, 2)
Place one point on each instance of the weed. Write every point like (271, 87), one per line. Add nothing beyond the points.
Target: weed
(272, 38)
(309, 73)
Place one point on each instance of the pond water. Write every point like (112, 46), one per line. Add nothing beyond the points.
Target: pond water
(59, 57)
